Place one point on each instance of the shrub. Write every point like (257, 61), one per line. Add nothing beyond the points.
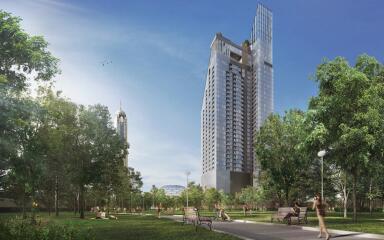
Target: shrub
(17, 229)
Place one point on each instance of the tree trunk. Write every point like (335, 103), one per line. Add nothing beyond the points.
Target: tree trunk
(56, 196)
(383, 204)
(74, 204)
(78, 202)
(287, 196)
(108, 206)
(370, 197)
(345, 203)
(354, 197)
(33, 209)
(24, 205)
(81, 201)
(49, 205)
(345, 200)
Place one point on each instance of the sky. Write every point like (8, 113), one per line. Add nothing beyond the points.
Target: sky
(160, 50)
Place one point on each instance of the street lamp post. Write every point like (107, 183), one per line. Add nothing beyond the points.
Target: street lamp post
(143, 203)
(321, 154)
(187, 173)
(130, 201)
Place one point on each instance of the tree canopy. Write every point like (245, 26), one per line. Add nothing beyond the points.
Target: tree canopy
(50, 147)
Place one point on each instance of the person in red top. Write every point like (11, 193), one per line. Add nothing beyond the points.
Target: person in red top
(245, 209)
(320, 212)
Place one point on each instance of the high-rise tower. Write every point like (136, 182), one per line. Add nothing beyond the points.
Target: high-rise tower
(238, 97)
(122, 129)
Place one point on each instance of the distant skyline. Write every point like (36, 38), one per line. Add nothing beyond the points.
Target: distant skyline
(159, 52)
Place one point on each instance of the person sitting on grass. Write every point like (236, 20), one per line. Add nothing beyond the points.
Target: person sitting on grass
(100, 215)
(224, 215)
(295, 212)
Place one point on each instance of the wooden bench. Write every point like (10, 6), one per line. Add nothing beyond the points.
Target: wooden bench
(282, 213)
(192, 215)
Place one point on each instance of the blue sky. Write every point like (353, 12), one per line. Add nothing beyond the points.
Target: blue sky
(159, 52)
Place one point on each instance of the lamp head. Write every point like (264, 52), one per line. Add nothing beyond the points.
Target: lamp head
(321, 153)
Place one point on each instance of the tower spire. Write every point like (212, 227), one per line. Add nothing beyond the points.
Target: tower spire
(122, 129)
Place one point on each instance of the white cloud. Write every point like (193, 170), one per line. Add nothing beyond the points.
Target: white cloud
(82, 43)
(55, 5)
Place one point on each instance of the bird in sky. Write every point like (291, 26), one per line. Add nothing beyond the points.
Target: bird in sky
(106, 62)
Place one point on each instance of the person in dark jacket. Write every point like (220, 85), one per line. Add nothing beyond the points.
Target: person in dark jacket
(295, 212)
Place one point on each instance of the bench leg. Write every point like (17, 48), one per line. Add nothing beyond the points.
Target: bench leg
(210, 226)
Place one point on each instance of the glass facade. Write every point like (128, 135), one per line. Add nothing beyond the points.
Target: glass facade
(173, 190)
(238, 97)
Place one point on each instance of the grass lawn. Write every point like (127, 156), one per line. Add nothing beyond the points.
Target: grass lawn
(133, 227)
(149, 227)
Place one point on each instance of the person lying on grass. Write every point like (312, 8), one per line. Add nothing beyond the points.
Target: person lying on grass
(101, 215)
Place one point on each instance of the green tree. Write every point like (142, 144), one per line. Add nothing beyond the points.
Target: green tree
(49, 146)
(158, 196)
(227, 199)
(131, 182)
(253, 197)
(341, 183)
(22, 57)
(345, 108)
(279, 150)
(56, 136)
(98, 153)
(211, 197)
(195, 195)
(26, 167)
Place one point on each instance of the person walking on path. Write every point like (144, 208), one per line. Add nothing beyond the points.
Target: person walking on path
(245, 209)
(320, 211)
(159, 210)
(217, 211)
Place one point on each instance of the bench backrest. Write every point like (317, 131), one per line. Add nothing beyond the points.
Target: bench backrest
(283, 211)
(190, 211)
(303, 211)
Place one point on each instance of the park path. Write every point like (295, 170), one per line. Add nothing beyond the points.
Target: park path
(266, 231)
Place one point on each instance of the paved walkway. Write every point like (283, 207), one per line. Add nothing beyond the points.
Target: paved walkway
(266, 231)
